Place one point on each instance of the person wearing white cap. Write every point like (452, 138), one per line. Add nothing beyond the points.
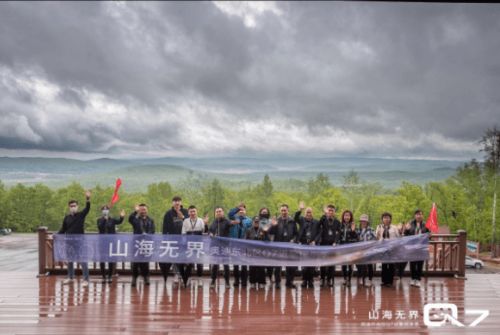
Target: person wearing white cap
(365, 233)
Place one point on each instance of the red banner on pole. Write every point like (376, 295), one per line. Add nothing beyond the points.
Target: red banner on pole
(115, 196)
(432, 221)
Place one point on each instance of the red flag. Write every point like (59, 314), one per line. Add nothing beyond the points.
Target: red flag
(115, 196)
(432, 221)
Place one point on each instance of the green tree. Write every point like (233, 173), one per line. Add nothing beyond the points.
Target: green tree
(415, 198)
(318, 184)
(264, 192)
(491, 148)
(3, 196)
(351, 183)
(158, 198)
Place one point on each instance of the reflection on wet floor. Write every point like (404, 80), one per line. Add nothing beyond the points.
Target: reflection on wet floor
(45, 305)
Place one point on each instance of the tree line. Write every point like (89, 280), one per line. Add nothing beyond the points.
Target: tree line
(465, 200)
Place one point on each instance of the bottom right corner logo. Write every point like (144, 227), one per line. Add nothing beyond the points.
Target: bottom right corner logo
(439, 314)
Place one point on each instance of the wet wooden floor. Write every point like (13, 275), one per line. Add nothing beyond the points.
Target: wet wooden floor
(30, 305)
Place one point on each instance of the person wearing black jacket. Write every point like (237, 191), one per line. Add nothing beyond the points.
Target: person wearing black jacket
(348, 234)
(107, 225)
(74, 223)
(257, 274)
(308, 235)
(284, 229)
(329, 235)
(172, 224)
(141, 224)
(416, 227)
(220, 227)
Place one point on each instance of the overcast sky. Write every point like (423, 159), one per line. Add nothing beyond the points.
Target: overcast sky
(159, 79)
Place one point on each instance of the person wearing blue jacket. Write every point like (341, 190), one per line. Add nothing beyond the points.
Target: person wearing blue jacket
(240, 223)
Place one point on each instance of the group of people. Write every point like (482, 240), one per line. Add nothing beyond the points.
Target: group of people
(302, 228)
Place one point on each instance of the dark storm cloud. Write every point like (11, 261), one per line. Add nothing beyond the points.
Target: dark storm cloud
(180, 78)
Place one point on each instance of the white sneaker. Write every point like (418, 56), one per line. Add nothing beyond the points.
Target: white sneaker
(200, 282)
(417, 283)
(368, 283)
(85, 283)
(67, 281)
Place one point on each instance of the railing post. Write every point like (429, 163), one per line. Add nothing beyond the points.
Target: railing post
(42, 236)
(462, 246)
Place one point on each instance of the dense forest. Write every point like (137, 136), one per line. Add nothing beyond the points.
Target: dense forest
(465, 200)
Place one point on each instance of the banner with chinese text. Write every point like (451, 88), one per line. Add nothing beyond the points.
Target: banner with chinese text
(220, 250)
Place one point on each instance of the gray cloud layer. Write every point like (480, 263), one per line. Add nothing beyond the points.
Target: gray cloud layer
(378, 79)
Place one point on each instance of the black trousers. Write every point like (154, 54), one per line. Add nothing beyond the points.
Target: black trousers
(240, 274)
(387, 273)
(188, 269)
(365, 270)
(277, 274)
(347, 271)
(290, 274)
(165, 269)
(327, 272)
(308, 273)
(142, 267)
(269, 272)
(215, 270)
(111, 268)
(416, 269)
(257, 275)
(401, 268)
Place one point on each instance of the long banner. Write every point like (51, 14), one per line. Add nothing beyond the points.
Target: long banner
(220, 250)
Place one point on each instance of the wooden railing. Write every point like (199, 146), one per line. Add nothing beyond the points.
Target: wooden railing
(446, 256)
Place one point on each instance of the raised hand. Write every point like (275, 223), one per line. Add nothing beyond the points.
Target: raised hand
(122, 213)
(87, 194)
(302, 205)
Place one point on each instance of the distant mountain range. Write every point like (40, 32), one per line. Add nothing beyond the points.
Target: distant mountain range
(233, 171)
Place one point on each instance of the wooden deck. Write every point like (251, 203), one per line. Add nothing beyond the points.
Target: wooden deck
(30, 305)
